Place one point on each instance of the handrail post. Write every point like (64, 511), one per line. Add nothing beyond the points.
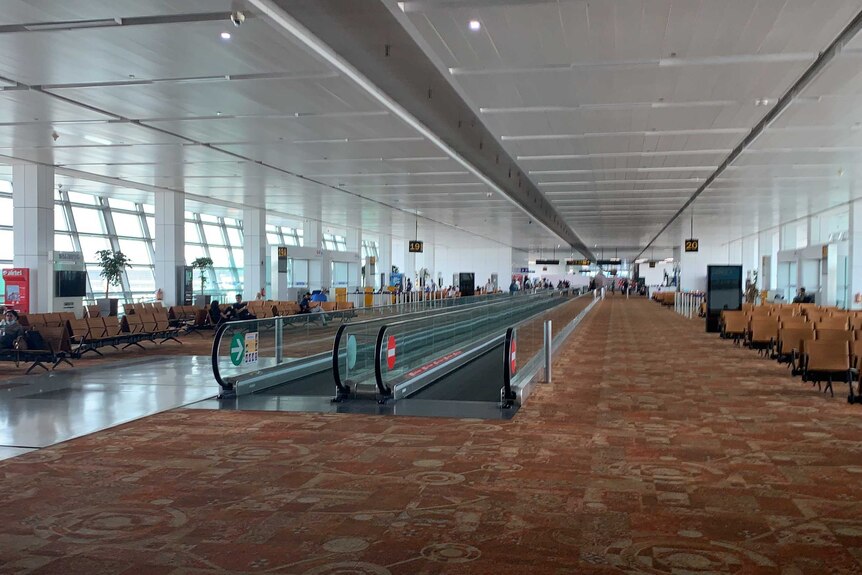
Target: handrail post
(279, 334)
(549, 351)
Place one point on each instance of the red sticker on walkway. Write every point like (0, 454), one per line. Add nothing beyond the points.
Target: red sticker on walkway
(390, 352)
(512, 362)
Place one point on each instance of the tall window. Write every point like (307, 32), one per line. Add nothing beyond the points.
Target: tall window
(221, 240)
(283, 235)
(334, 243)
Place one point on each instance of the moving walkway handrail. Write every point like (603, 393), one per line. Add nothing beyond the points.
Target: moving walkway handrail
(510, 364)
(279, 323)
(336, 353)
(385, 391)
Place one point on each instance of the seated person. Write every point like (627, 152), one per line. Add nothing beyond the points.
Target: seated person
(11, 329)
(305, 307)
(215, 313)
(803, 297)
(305, 303)
(239, 310)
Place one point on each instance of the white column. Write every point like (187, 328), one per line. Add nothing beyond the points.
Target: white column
(33, 230)
(352, 238)
(169, 243)
(854, 262)
(384, 260)
(764, 266)
(312, 234)
(253, 252)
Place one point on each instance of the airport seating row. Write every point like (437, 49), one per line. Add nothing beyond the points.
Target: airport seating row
(58, 337)
(61, 336)
(821, 344)
(665, 298)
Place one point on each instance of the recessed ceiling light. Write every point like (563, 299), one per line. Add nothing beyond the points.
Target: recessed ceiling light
(218, 113)
(475, 25)
(225, 35)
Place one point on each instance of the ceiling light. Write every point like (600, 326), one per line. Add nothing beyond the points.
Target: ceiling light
(475, 25)
(225, 35)
(762, 102)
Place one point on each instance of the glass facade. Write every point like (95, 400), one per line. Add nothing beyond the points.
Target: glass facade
(87, 223)
(334, 243)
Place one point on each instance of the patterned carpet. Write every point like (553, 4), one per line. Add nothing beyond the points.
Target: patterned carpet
(658, 450)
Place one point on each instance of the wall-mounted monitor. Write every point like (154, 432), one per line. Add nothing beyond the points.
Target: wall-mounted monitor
(70, 284)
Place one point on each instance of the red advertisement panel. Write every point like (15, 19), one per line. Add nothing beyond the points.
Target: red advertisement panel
(17, 294)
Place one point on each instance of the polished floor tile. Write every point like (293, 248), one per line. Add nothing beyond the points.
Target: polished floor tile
(37, 411)
(10, 452)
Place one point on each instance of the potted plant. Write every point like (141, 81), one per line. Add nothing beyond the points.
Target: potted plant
(113, 265)
(202, 264)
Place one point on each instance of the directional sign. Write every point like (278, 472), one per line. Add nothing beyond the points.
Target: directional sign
(512, 358)
(390, 352)
(237, 349)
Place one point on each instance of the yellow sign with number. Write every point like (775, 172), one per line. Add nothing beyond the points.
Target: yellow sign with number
(692, 245)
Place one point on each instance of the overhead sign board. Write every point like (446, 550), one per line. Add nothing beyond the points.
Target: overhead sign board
(692, 245)
(609, 262)
(547, 262)
(652, 264)
(578, 262)
(415, 247)
(282, 259)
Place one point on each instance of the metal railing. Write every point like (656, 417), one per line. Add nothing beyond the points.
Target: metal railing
(687, 304)
(518, 376)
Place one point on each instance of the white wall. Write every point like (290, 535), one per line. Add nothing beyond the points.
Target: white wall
(478, 259)
(655, 276)
(713, 250)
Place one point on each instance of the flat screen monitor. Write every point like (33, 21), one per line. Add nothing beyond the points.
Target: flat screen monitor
(70, 284)
(723, 292)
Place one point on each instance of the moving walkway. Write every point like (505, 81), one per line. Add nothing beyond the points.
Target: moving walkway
(458, 354)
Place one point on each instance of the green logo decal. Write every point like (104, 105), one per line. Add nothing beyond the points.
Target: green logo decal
(237, 349)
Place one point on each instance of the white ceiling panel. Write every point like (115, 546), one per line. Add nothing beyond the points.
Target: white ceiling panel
(574, 90)
(316, 131)
(618, 110)
(98, 133)
(123, 53)
(311, 94)
(34, 11)
(24, 106)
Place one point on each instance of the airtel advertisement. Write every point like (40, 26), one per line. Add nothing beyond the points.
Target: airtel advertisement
(17, 294)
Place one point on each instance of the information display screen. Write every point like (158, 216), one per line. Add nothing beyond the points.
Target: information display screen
(724, 287)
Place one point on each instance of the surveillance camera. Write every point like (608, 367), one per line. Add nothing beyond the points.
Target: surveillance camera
(237, 18)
